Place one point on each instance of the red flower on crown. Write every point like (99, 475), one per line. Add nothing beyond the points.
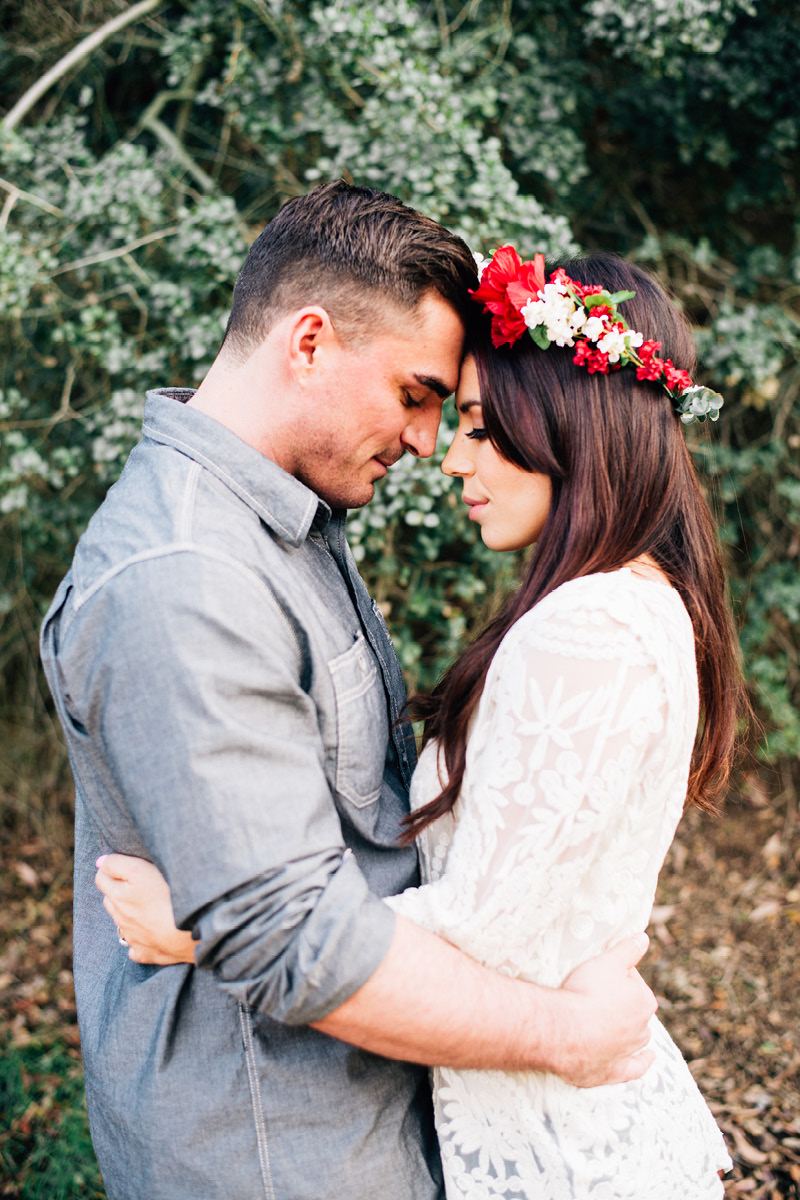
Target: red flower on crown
(652, 365)
(675, 379)
(594, 360)
(506, 285)
(529, 282)
(561, 276)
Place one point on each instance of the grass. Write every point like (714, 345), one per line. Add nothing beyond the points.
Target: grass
(45, 1149)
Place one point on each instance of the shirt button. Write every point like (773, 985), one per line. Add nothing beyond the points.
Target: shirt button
(362, 664)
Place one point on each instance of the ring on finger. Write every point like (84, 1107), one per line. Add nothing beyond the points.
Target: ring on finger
(120, 938)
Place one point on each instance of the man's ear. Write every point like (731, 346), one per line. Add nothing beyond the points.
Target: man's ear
(311, 339)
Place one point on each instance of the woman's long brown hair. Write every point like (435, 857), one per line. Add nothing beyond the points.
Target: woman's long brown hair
(623, 485)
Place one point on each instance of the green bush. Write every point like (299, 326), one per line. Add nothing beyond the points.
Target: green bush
(668, 132)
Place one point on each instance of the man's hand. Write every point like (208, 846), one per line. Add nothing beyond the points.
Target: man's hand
(607, 1022)
(137, 898)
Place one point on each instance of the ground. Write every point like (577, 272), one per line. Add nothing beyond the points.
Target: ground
(723, 962)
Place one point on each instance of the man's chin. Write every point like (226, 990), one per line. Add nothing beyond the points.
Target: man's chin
(355, 496)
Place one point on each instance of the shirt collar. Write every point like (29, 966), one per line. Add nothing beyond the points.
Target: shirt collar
(282, 502)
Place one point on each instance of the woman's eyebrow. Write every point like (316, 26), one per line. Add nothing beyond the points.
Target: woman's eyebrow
(465, 405)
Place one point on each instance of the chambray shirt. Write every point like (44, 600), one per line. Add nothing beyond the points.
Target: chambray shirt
(229, 695)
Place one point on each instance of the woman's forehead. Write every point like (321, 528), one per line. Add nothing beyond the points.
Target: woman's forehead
(468, 391)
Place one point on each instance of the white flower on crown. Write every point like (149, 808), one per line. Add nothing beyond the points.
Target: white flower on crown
(612, 343)
(553, 307)
(530, 313)
(616, 342)
(593, 328)
(481, 263)
(563, 331)
(561, 334)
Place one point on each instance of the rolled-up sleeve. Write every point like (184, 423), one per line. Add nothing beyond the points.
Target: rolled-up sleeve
(195, 682)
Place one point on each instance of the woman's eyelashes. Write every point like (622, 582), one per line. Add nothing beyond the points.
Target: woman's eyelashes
(479, 434)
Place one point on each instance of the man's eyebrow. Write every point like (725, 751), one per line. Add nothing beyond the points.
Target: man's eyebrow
(434, 385)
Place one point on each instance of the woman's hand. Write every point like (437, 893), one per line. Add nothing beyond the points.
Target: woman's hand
(137, 898)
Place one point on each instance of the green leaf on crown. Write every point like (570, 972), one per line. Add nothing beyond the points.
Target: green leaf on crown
(597, 298)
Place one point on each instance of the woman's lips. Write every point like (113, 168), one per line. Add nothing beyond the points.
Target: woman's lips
(475, 506)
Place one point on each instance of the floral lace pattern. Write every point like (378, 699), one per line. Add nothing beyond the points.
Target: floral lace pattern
(575, 780)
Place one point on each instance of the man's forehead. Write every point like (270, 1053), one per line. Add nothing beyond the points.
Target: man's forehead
(426, 344)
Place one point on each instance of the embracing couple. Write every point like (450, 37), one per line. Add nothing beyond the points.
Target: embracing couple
(234, 713)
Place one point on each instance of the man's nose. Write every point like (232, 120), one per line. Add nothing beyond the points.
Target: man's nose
(419, 435)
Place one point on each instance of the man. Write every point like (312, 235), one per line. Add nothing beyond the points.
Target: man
(230, 699)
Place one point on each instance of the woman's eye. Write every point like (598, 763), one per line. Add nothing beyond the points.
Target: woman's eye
(478, 434)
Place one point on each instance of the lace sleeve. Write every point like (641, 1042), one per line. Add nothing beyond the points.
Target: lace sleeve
(573, 705)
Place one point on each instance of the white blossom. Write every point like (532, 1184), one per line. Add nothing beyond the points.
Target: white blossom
(553, 308)
(614, 344)
(530, 313)
(563, 331)
(593, 328)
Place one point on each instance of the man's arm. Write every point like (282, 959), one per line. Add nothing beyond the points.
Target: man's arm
(429, 1003)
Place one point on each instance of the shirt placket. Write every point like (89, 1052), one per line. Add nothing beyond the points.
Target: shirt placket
(377, 635)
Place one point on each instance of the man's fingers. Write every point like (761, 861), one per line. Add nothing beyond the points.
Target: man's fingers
(622, 1070)
(631, 950)
(633, 1067)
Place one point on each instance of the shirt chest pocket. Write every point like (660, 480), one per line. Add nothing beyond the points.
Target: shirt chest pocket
(362, 725)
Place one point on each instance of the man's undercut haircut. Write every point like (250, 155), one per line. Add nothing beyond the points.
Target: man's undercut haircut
(354, 251)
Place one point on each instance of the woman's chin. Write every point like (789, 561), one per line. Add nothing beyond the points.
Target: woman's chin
(508, 541)
(496, 542)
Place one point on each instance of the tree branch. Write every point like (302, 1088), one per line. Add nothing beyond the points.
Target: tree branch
(119, 252)
(20, 194)
(179, 152)
(75, 55)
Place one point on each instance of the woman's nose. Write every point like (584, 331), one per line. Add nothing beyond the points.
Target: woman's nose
(456, 462)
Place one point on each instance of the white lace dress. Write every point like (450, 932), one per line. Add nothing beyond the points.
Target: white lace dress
(575, 780)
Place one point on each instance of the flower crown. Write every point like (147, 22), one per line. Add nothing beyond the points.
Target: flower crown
(584, 316)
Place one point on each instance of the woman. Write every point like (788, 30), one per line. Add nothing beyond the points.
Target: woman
(559, 748)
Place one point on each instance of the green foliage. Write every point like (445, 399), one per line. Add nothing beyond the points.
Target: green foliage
(662, 29)
(667, 131)
(45, 1149)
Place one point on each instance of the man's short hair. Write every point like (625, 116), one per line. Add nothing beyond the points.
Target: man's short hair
(354, 251)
